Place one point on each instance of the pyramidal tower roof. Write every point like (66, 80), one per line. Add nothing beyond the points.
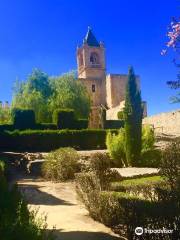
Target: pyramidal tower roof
(90, 39)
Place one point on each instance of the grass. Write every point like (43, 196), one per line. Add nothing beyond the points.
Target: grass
(141, 180)
(137, 182)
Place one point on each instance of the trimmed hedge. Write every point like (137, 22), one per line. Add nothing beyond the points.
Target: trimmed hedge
(38, 126)
(45, 126)
(6, 127)
(23, 118)
(64, 118)
(131, 211)
(47, 140)
(113, 124)
(125, 211)
(144, 186)
(81, 124)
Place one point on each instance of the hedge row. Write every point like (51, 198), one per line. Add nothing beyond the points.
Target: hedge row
(125, 211)
(38, 126)
(112, 124)
(47, 140)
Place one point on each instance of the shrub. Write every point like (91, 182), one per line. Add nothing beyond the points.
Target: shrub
(2, 168)
(61, 165)
(88, 189)
(16, 220)
(81, 124)
(170, 166)
(45, 126)
(6, 127)
(116, 146)
(128, 212)
(48, 140)
(100, 166)
(150, 158)
(114, 124)
(125, 211)
(148, 138)
(120, 115)
(146, 187)
(23, 118)
(64, 118)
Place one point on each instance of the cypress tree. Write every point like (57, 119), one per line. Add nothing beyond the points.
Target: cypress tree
(133, 120)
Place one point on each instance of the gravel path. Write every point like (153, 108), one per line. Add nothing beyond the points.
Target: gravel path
(64, 211)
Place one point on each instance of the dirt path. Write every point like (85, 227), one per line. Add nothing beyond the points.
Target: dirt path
(64, 211)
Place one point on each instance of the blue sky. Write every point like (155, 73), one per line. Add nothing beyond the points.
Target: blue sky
(45, 33)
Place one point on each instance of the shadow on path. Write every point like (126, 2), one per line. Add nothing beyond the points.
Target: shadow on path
(37, 197)
(82, 235)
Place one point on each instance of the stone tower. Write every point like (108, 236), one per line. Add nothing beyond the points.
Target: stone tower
(92, 73)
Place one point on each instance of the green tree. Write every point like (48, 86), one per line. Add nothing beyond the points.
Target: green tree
(44, 95)
(39, 81)
(34, 94)
(133, 120)
(5, 115)
(67, 92)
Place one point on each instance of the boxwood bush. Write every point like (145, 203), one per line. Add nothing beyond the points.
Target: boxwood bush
(48, 140)
(23, 118)
(64, 118)
(125, 211)
(61, 165)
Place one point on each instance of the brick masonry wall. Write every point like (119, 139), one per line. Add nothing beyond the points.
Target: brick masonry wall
(167, 123)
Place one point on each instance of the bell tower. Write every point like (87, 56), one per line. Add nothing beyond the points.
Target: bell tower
(92, 73)
(91, 68)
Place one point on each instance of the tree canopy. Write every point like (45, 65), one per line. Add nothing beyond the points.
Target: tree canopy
(45, 94)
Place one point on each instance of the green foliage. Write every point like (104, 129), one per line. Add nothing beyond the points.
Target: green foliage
(44, 95)
(113, 124)
(88, 189)
(16, 221)
(170, 166)
(5, 115)
(126, 210)
(48, 140)
(120, 115)
(23, 119)
(39, 81)
(2, 168)
(151, 158)
(81, 124)
(61, 165)
(100, 166)
(33, 94)
(143, 186)
(6, 127)
(64, 118)
(132, 211)
(133, 120)
(116, 146)
(148, 138)
(69, 93)
(45, 126)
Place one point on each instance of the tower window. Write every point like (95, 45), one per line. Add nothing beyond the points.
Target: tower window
(93, 88)
(94, 59)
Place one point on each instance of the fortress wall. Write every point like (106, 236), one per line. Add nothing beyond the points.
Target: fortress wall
(116, 88)
(167, 123)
